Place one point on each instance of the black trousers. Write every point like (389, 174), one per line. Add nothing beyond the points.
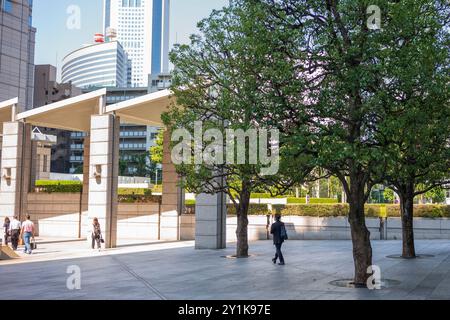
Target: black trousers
(15, 238)
(279, 254)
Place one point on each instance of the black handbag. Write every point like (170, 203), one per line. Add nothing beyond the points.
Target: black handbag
(33, 245)
(283, 233)
(101, 239)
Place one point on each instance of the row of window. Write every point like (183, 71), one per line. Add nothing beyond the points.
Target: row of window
(133, 146)
(133, 134)
(92, 57)
(132, 3)
(83, 71)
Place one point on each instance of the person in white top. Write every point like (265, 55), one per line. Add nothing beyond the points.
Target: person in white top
(28, 234)
(14, 231)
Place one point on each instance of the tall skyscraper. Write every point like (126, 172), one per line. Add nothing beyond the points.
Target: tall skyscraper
(142, 27)
(17, 41)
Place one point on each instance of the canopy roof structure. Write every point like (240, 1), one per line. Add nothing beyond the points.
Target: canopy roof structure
(7, 111)
(145, 110)
(72, 114)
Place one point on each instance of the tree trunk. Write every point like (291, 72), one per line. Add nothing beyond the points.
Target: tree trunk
(242, 226)
(362, 250)
(407, 213)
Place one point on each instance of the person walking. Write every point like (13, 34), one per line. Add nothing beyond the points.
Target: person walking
(28, 234)
(278, 230)
(14, 230)
(6, 232)
(96, 234)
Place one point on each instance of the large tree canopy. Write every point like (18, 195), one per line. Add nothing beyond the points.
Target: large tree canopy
(347, 84)
(216, 83)
(340, 92)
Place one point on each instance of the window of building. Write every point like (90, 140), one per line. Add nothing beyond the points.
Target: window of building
(7, 6)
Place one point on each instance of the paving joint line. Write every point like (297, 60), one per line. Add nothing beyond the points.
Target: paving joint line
(138, 277)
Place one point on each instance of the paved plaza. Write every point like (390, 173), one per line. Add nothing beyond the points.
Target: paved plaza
(175, 271)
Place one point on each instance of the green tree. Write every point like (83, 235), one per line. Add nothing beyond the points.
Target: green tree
(157, 150)
(340, 97)
(416, 68)
(389, 195)
(144, 166)
(328, 99)
(437, 195)
(216, 82)
(123, 167)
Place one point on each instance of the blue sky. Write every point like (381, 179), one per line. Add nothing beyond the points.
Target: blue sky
(54, 40)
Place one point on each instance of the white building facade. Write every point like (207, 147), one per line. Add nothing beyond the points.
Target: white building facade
(97, 65)
(142, 27)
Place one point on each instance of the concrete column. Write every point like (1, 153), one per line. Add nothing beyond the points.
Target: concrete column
(15, 169)
(210, 221)
(35, 165)
(85, 224)
(172, 197)
(103, 175)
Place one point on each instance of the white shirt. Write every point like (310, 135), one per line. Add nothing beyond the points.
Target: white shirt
(28, 226)
(14, 225)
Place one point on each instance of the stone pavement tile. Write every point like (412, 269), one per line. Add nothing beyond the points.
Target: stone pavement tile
(152, 272)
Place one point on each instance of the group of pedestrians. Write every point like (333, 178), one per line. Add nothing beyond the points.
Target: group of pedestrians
(13, 230)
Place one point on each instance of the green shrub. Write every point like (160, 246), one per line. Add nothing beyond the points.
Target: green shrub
(134, 198)
(296, 200)
(322, 200)
(254, 209)
(134, 191)
(48, 186)
(371, 210)
(311, 210)
(265, 196)
(190, 202)
(336, 210)
(423, 211)
(136, 195)
(125, 195)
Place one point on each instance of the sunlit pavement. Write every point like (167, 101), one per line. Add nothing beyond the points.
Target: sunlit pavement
(159, 271)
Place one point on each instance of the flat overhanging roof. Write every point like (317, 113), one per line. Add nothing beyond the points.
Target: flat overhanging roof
(7, 111)
(72, 114)
(145, 110)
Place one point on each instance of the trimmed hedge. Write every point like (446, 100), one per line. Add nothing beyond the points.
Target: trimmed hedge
(254, 209)
(371, 210)
(134, 191)
(135, 198)
(47, 186)
(312, 200)
(311, 210)
(338, 210)
(265, 196)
